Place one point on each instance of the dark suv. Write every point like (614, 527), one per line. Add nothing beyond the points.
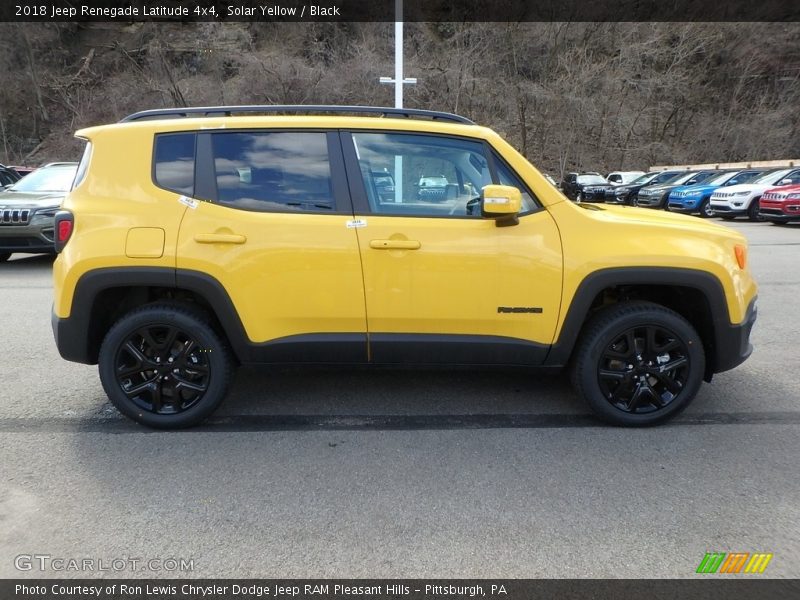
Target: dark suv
(590, 187)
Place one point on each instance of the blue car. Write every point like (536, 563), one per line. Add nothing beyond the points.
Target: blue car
(694, 198)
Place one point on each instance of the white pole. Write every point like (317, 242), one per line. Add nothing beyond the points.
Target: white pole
(398, 53)
(398, 91)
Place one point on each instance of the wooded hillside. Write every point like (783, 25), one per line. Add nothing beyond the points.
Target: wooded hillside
(568, 95)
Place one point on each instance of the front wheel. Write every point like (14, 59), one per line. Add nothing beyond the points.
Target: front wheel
(705, 209)
(752, 210)
(638, 364)
(163, 366)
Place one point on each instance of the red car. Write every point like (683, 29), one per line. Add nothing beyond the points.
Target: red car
(781, 204)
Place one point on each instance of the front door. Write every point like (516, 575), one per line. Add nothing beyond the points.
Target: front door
(443, 284)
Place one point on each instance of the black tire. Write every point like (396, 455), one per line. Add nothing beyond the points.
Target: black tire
(164, 366)
(4, 256)
(752, 210)
(626, 383)
(705, 209)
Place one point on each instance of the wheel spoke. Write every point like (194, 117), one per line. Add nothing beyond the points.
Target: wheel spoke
(137, 354)
(671, 384)
(156, 396)
(639, 392)
(673, 364)
(609, 374)
(188, 385)
(139, 388)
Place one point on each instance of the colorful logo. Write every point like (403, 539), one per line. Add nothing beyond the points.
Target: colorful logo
(734, 562)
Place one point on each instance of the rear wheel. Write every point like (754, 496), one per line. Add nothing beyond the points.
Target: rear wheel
(4, 256)
(163, 366)
(638, 364)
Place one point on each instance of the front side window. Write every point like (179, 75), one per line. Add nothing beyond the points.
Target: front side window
(429, 175)
(422, 175)
(274, 171)
(174, 162)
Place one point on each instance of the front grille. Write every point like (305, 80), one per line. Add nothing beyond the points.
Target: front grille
(724, 195)
(773, 196)
(15, 216)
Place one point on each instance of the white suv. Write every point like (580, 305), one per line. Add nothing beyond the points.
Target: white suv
(731, 201)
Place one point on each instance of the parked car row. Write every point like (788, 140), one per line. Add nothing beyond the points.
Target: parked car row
(759, 194)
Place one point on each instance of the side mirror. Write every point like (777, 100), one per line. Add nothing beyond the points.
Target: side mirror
(785, 182)
(501, 203)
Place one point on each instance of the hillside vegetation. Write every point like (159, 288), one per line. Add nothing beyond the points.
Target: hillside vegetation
(568, 95)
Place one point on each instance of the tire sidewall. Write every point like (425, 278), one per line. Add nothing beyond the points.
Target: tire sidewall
(217, 355)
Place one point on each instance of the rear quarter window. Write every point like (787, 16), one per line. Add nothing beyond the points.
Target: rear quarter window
(173, 162)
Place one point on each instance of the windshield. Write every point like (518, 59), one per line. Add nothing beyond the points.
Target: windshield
(47, 179)
(591, 179)
(722, 178)
(773, 177)
(668, 177)
(644, 178)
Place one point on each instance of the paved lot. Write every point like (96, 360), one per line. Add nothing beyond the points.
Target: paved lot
(397, 474)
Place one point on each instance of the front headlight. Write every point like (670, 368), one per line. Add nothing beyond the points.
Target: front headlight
(622, 190)
(793, 197)
(46, 212)
(741, 193)
(694, 194)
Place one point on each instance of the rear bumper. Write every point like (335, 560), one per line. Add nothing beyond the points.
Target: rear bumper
(733, 341)
(71, 339)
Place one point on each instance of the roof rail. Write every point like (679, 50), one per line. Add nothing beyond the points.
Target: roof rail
(208, 111)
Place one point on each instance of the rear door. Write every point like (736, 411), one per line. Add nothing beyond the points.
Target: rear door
(275, 231)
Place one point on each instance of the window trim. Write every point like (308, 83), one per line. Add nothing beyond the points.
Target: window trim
(358, 191)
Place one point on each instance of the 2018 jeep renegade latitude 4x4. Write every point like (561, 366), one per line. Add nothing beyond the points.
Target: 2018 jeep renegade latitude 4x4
(197, 239)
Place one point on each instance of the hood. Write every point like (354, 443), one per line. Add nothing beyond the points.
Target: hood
(657, 189)
(745, 187)
(784, 190)
(628, 214)
(10, 199)
(698, 187)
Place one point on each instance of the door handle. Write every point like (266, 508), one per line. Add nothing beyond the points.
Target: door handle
(219, 238)
(395, 244)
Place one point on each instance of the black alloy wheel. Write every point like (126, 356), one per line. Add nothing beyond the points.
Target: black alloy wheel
(638, 363)
(163, 366)
(162, 369)
(643, 369)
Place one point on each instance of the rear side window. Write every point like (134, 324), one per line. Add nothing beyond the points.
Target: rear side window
(174, 162)
(274, 171)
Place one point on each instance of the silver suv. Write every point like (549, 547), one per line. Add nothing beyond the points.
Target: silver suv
(28, 208)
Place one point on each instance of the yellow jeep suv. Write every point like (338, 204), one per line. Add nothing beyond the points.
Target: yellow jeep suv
(196, 239)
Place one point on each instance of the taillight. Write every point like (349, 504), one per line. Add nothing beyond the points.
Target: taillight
(64, 225)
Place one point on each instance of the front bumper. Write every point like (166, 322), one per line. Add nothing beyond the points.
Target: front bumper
(733, 345)
(725, 208)
(34, 237)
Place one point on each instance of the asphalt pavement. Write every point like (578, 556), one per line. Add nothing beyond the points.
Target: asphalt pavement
(358, 473)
